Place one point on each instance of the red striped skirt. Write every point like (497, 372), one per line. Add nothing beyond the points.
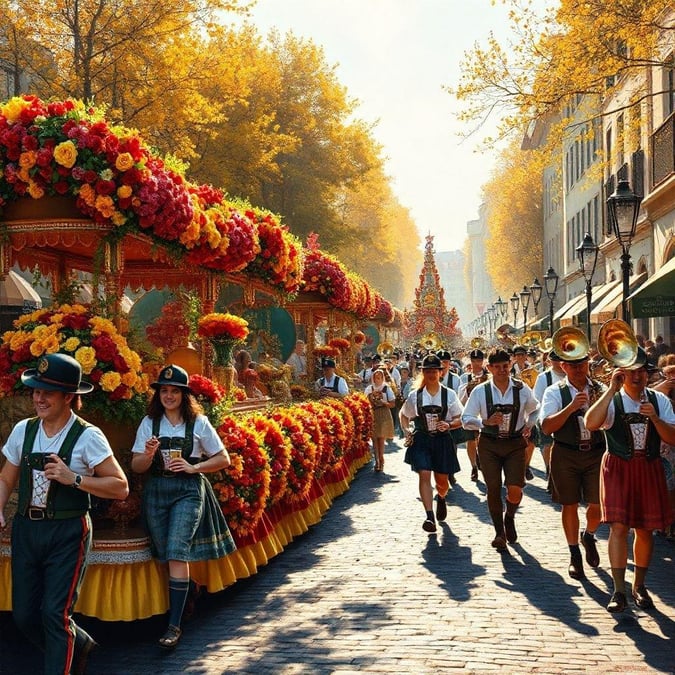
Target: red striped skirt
(633, 492)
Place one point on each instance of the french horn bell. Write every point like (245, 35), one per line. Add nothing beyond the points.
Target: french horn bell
(570, 343)
(385, 349)
(431, 342)
(478, 343)
(617, 343)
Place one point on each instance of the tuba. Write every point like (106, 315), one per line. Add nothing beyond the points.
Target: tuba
(385, 349)
(570, 343)
(617, 343)
(478, 343)
(531, 339)
(431, 341)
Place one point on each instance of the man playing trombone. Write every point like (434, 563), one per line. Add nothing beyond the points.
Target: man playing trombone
(633, 491)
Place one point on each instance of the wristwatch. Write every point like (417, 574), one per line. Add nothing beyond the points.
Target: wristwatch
(78, 481)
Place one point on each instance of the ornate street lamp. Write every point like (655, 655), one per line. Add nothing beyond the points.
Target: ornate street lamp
(501, 306)
(623, 208)
(587, 252)
(525, 296)
(536, 290)
(515, 303)
(492, 318)
(551, 285)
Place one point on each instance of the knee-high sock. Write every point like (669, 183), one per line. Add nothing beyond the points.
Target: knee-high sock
(178, 592)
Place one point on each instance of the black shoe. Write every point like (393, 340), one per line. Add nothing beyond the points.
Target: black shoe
(499, 542)
(576, 568)
(617, 603)
(510, 529)
(81, 655)
(171, 638)
(474, 474)
(528, 474)
(642, 598)
(429, 525)
(441, 509)
(589, 543)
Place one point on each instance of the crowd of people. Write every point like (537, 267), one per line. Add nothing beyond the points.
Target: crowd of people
(607, 438)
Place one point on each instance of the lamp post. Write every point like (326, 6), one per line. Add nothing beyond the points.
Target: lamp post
(492, 318)
(501, 306)
(515, 303)
(525, 296)
(587, 252)
(551, 285)
(623, 208)
(536, 290)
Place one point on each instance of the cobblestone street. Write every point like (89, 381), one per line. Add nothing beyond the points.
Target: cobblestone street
(366, 590)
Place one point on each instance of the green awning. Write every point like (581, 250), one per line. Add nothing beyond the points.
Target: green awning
(656, 297)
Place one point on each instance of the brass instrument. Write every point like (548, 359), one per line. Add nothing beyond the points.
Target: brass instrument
(478, 343)
(431, 341)
(531, 339)
(475, 381)
(570, 343)
(617, 343)
(529, 376)
(385, 349)
(546, 345)
(503, 333)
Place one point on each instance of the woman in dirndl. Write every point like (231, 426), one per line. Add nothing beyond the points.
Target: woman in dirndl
(382, 400)
(176, 443)
(434, 410)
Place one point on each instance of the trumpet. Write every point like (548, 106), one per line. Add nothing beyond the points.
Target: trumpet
(570, 343)
(617, 343)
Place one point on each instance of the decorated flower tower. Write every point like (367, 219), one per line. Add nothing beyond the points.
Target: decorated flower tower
(430, 324)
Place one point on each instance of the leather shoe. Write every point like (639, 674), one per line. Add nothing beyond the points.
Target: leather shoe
(510, 528)
(499, 542)
(576, 568)
(617, 602)
(441, 509)
(429, 525)
(642, 598)
(171, 638)
(589, 543)
(81, 655)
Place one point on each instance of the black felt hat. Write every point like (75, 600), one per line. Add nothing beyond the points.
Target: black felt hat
(57, 372)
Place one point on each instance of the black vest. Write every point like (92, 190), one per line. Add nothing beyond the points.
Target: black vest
(440, 411)
(63, 501)
(569, 435)
(336, 381)
(513, 408)
(619, 437)
(184, 444)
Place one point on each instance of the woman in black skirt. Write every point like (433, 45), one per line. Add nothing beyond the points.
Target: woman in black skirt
(434, 410)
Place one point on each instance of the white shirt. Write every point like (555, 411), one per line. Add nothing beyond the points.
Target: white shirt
(206, 439)
(409, 408)
(90, 449)
(541, 383)
(464, 383)
(475, 410)
(551, 403)
(451, 381)
(298, 363)
(342, 389)
(666, 412)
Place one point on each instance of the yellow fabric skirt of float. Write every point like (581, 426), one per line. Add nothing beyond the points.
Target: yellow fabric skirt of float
(124, 583)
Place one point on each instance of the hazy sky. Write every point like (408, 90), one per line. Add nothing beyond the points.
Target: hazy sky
(394, 56)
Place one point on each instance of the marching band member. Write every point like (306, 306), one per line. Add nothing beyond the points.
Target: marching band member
(476, 375)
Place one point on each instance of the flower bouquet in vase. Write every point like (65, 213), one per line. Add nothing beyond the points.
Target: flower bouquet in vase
(223, 332)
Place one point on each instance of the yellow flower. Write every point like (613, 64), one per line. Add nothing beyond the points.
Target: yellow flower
(65, 154)
(110, 381)
(13, 108)
(71, 344)
(86, 357)
(27, 159)
(34, 190)
(124, 191)
(118, 218)
(87, 194)
(37, 348)
(129, 378)
(105, 205)
(124, 161)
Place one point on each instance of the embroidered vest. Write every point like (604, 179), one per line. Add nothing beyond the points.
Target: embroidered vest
(185, 444)
(620, 436)
(428, 416)
(511, 409)
(63, 501)
(573, 434)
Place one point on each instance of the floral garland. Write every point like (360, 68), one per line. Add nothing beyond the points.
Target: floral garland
(244, 488)
(303, 455)
(170, 329)
(334, 439)
(341, 344)
(278, 449)
(107, 360)
(323, 351)
(362, 414)
(66, 148)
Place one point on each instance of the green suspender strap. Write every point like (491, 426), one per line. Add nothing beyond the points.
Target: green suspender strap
(63, 501)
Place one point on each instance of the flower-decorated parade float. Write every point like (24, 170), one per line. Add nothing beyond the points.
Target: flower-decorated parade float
(80, 198)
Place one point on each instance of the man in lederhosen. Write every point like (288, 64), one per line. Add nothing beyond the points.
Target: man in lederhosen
(502, 410)
(575, 457)
(476, 374)
(633, 492)
(58, 460)
(330, 384)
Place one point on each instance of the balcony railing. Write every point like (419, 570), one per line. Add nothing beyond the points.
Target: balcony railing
(663, 151)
